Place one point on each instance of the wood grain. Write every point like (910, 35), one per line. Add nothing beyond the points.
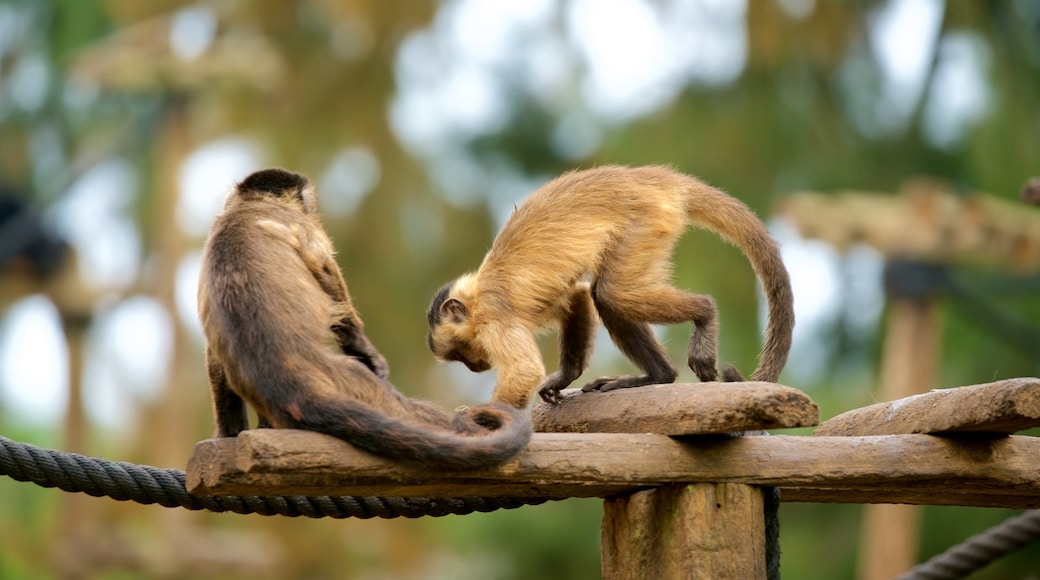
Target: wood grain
(679, 409)
(921, 469)
(702, 530)
(1002, 407)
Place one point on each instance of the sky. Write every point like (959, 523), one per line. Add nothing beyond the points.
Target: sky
(449, 78)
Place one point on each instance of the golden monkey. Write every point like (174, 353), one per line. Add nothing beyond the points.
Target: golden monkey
(283, 336)
(601, 241)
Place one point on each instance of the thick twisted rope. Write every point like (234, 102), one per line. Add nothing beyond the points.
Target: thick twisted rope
(980, 550)
(144, 484)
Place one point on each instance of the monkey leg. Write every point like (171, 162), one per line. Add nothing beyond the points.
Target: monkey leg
(634, 284)
(636, 340)
(703, 352)
(576, 335)
(663, 304)
(228, 408)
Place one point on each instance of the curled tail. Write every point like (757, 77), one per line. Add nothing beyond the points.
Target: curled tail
(731, 219)
(506, 431)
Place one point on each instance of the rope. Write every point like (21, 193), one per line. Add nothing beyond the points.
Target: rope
(144, 484)
(980, 550)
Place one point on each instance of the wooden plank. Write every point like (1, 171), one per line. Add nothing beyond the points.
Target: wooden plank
(911, 496)
(558, 465)
(926, 221)
(679, 409)
(702, 530)
(1002, 407)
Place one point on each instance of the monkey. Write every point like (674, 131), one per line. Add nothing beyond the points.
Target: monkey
(598, 243)
(283, 336)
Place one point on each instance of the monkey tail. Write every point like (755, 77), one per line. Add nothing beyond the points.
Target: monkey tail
(494, 432)
(734, 221)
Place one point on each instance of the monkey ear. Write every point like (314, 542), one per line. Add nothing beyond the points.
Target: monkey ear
(308, 198)
(455, 309)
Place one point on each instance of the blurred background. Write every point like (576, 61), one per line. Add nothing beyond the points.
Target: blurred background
(123, 124)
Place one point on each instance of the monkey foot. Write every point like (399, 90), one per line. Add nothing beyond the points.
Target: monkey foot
(704, 369)
(730, 374)
(604, 384)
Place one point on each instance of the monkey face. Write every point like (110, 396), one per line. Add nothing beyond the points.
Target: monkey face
(451, 336)
(447, 344)
(473, 363)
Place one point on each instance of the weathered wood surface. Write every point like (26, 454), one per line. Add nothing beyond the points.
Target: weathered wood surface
(922, 469)
(679, 409)
(1005, 407)
(702, 530)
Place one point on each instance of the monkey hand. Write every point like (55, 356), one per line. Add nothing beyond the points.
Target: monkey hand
(371, 358)
(378, 364)
(552, 385)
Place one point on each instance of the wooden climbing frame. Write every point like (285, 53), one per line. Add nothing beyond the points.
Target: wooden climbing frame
(683, 498)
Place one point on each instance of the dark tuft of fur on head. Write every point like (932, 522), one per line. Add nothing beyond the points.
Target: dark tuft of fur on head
(433, 315)
(275, 181)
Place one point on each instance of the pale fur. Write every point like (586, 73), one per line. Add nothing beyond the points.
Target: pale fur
(616, 226)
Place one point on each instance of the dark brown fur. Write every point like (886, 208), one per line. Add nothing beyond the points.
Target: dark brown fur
(615, 227)
(283, 336)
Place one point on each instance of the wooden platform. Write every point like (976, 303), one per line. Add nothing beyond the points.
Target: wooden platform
(916, 469)
(985, 467)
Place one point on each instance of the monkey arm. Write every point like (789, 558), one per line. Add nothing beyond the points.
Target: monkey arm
(228, 407)
(512, 348)
(350, 335)
(576, 337)
(346, 324)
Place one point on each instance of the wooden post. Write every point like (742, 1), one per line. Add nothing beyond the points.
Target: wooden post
(689, 506)
(703, 530)
(889, 533)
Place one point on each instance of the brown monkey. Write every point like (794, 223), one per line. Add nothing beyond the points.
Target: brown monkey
(601, 241)
(283, 336)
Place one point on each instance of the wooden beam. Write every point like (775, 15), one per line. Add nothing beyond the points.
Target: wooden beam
(881, 469)
(679, 409)
(702, 530)
(925, 221)
(927, 495)
(1002, 407)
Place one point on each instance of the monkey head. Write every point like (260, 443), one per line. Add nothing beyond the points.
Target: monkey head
(451, 336)
(277, 185)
